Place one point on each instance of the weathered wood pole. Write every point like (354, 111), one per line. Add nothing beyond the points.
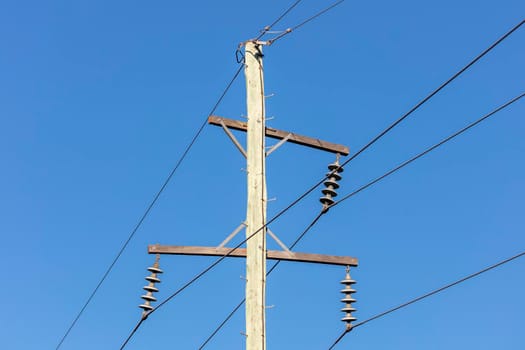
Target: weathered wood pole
(256, 208)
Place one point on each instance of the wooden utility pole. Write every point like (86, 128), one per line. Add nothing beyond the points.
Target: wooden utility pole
(255, 223)
(256, 209)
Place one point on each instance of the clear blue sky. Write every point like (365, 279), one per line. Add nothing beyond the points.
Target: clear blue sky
(98, 99)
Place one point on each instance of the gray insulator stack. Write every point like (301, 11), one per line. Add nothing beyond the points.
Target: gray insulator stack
(150, 288)
(348, 299)
(331, 184)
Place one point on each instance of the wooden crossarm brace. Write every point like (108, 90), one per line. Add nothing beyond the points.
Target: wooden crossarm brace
(233, 138)
(277, 240)
(233, 234)
(280, 134)
(241, 253)
(278, 144)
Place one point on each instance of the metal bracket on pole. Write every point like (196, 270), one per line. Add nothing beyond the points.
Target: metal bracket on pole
(279, 242)
(278, 144)
(233, 138)
(233, 234)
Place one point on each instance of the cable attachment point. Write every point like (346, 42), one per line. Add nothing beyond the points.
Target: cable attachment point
(331, 184)
(150, 288)
(239, 56)
(348, 300)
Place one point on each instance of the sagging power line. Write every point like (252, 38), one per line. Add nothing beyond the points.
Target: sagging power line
(309, 19)
(375, 139)
(295, 202)
(165, 183)
(266, 29)
(255, 251)
(148, 210)
(424, 296)
(373, 182)
(360, 189)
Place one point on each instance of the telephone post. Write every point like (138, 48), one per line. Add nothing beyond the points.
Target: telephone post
(256, 206)
(255, 222)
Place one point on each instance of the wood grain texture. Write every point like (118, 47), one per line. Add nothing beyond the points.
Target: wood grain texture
(241, 253)
(281, 134)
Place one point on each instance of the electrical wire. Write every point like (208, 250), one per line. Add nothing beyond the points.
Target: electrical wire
(148, 209)
(289, 30)
(433, 93)
(193, 280)
(274, 266)
(187, 284)
(339, 338)
(424, 296)
(430, 149)
(398, 121)
(268, 28)
(223, 323)
(238, 53)
(471, 125)
(369, 144)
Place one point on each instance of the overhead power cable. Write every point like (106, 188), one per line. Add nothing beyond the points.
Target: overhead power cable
(430, 149)
(367, 186)
(397, 122)
(432, 94)
(402, 165)
(274, 266)
(289, 30)
(278, 19)
(239, 55)
(203, 272)
(199, 275)
(148, 209)
(312, 188)
(424, 296)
